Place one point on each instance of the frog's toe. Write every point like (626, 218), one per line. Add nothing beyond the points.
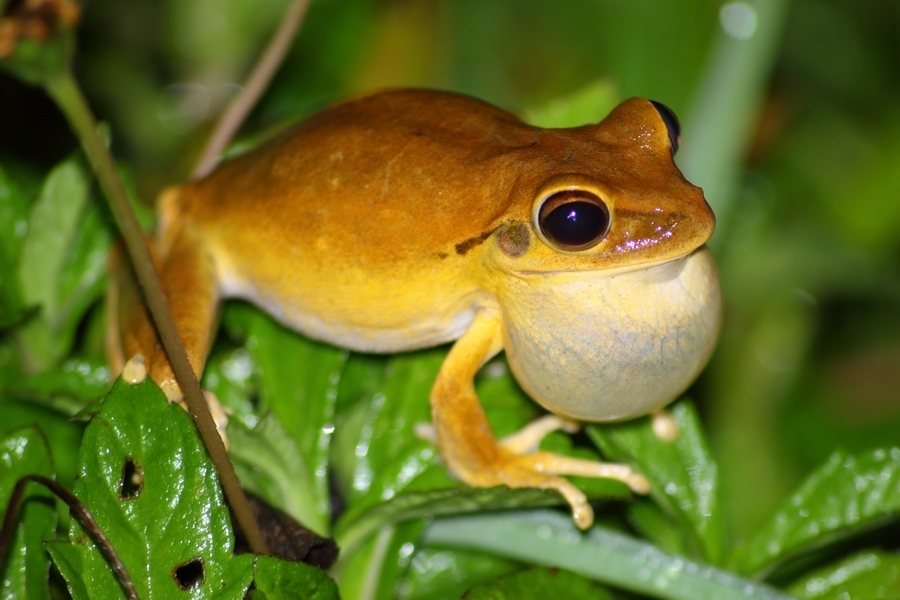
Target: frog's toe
(547, 462)
(518, 473)
(664, 425)
(135, 370)
(426, 432)
(529, 437)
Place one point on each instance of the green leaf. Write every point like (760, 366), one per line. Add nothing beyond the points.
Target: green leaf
(539, 583)
(15, 206)
(171, 515)
(81, 380)
(551, 540)
(26, 452)
(297, 381)
(229, 375)
(372, 569)
(269, 463)
(276, 579)
(683, 475)
(438, 573)
(360, 522)
(62, 266)
(846, 495)
(387, 453)
(589, 104)
(864, 576)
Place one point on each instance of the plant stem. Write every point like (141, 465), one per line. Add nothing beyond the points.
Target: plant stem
(65, 91)
(257, 83)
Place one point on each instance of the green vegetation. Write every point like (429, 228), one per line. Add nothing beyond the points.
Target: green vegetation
(786, 478)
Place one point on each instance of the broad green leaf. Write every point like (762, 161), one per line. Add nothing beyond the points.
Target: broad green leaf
(63, 262)
(53, 225)
(539, 583)
(229, 375)
(358, 523)
(846, 495)
(868, 575)
(297, 381)
(589, 104)
(15, 207)
(372, 569)
(275, 579)
(269, 463)
(26, 452)
(77, 379)
(551, 540)
(61, 433)
(438, 573)
(683, 475)
(388, 454)
(169, 515)
(652, 522)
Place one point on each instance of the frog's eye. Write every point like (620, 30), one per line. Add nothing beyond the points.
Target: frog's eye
(672, 124)
(573, 220)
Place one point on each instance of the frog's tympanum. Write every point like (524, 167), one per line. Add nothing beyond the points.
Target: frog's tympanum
(406, 219)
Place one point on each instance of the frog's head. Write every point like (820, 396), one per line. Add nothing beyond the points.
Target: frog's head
(610, 300)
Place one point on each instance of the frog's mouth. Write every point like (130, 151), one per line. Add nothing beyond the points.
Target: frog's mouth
(664, 269)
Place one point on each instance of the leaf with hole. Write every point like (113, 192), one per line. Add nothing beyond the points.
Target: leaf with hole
(150, 486)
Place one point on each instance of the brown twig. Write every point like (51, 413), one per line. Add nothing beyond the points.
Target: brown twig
(80, 512)
(65, 91)
(259, 79)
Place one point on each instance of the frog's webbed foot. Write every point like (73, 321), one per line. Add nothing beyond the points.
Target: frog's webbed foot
(525, 442)
(475, 456)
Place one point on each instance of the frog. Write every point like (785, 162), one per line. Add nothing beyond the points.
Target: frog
(410, 218)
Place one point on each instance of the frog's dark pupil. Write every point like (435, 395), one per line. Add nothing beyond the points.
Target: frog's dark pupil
(575, 224)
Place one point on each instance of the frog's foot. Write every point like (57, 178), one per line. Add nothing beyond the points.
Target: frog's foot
(664, 425)
(543, 470)
(135, 370)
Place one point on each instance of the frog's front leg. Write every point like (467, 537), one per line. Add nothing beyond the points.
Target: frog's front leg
(470, 449)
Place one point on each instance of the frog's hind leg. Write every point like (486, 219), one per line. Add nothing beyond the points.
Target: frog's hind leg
(470, 449)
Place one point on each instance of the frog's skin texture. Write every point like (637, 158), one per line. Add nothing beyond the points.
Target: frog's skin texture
(406, 219)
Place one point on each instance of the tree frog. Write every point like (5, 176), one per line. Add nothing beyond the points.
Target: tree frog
(410, 218)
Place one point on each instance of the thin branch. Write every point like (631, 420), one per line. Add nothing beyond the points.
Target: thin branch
(80, 512)
(65, 91)
(257, 83)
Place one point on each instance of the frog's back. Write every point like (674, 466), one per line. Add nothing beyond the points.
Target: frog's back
(372, 210)
(387, 177)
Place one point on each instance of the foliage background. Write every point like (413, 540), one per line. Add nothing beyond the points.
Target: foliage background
(809, 231)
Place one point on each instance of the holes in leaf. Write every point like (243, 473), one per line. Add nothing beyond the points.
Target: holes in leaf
(190, 574)
(132, 480)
